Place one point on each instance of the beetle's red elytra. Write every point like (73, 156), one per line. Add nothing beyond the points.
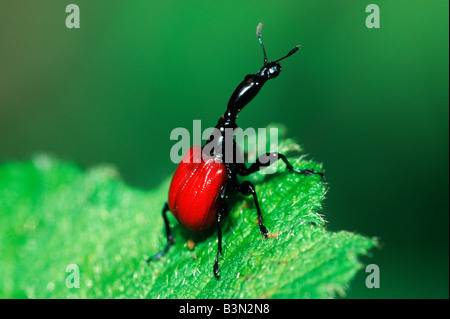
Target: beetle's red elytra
(195, 190)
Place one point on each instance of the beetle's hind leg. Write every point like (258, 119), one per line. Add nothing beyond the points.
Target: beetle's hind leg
(247, 188)
(223, 210)
(169, 236)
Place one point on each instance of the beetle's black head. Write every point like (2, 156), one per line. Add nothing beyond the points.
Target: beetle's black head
(270, 70)
(252, 83)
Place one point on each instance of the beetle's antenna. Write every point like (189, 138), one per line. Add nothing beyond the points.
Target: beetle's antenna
(290, 53)
(258, 33)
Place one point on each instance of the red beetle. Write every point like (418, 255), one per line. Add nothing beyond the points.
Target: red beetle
(203, 182)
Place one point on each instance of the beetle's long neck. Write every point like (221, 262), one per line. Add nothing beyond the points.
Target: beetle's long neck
(226, 122)
(229, 118)
(219, 136)
(243, 94)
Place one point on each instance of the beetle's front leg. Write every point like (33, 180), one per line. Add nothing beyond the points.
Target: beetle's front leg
(268, 159)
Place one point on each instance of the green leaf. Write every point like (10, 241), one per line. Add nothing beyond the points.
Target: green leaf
(53, 214)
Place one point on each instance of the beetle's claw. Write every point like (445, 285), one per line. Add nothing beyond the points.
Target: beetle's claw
(155, 257)
(264, 230)
(216, 270)
(308, 172)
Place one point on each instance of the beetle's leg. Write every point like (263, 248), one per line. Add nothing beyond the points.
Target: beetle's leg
(247, 188)
(169, 236)
(268, 159)
(220, 215)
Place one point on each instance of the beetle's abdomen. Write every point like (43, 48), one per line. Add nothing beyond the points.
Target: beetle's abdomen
(195, 190)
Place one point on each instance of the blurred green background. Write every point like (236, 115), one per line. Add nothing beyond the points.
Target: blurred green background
(371, 104)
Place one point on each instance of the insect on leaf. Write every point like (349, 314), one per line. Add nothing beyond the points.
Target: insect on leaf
(53, 214)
